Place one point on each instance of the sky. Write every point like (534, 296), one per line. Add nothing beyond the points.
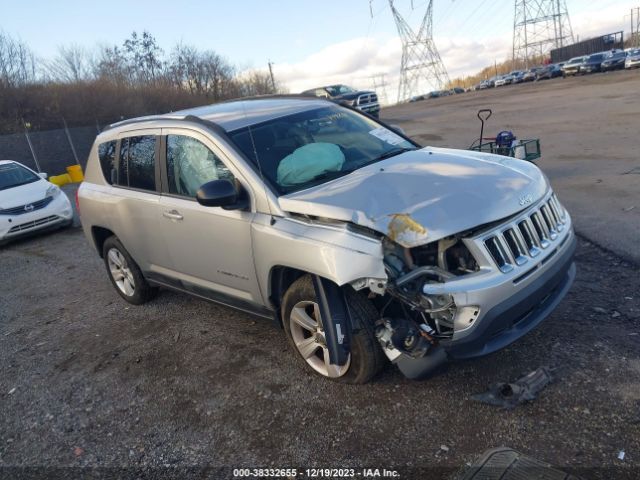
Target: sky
(310, 43)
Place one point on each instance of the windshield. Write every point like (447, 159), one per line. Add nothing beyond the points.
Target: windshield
(595, 58)
(14, 175)
(312, 147)
(335, 90)
(575, 60)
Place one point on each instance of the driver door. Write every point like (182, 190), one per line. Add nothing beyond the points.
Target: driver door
(209, 248)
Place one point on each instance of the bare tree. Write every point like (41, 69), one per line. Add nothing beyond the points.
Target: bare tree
(201, 72)
(72, 64)
(256, 82)
(17, 62)
(144, 58)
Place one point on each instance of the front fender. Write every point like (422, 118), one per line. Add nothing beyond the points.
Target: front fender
(331, 252)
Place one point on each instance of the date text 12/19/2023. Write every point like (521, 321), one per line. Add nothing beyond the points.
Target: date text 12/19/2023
(335, 473)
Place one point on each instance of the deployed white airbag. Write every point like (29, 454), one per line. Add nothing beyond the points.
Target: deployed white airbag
(309, 161)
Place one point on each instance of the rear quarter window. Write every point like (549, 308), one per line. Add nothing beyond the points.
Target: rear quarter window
(137, 162)
(107, 156)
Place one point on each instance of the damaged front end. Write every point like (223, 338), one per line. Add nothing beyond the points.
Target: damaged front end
(473, 293)
(414, 323)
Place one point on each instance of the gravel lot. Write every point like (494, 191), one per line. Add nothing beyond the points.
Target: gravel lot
(89, 381)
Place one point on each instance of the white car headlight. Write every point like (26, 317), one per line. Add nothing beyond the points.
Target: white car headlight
(53, 191)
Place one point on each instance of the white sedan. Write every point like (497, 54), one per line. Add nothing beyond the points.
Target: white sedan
(29, 203)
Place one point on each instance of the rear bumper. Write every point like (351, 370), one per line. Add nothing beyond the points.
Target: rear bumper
(509, 320)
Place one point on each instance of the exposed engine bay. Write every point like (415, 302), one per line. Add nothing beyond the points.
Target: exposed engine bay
(413, 323)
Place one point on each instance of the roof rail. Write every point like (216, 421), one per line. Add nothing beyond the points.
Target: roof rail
(155, 118)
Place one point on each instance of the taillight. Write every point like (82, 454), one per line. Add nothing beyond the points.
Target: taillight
(77, 202)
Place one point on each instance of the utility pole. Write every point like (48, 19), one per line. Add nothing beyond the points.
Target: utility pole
(273, 81)
(635, 28)
(538, 27)
(421, 62)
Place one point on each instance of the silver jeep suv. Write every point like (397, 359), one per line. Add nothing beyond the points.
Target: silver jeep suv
(360, 243)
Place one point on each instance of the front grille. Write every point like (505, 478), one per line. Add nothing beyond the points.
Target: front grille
(364, 99)
(22, 209)
(35, 223)
(517, 243)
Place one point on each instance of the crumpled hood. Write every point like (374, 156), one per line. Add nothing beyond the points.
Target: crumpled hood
(425, 195)
(30, 192)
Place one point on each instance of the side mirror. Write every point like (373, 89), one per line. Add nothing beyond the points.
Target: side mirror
(43, 175)
(220, 193)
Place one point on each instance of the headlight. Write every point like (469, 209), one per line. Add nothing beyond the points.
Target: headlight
(52, 192)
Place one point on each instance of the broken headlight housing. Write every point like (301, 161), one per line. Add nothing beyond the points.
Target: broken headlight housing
(412, 270)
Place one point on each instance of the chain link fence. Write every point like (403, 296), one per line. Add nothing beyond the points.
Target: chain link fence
(50, 150)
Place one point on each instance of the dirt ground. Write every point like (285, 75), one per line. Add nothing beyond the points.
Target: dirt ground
(589, 128)
(181, 387)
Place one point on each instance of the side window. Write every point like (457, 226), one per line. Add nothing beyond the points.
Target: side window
(137, 162)
(107, 156)
(190, 164)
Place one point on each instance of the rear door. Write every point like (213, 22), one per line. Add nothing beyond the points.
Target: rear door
(209, 247)
(133, 202)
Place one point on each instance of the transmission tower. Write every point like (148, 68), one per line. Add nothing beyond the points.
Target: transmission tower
(379, 82)
(421, 62)
(538, 27)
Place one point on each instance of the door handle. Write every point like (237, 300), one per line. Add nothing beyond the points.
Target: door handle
(172, 214)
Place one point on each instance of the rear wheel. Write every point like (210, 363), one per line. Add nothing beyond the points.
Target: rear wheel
(124, 273)
(305, 331)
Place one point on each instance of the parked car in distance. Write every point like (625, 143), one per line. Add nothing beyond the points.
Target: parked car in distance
(364, 100)
(572, 67)
(29, 203)
(503, 80)
(530, 75)
(633, 58)
(517, 76)
(295, 209)
(614, 61)
(592, 64)
(549, 72)
(458, 90)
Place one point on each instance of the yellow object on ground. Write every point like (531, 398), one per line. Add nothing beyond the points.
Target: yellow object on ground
(60, 180)
(75, 172)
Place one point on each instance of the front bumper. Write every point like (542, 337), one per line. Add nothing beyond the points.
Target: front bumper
(371, 109)
(511, 319)
(58, 213)
(496, 306)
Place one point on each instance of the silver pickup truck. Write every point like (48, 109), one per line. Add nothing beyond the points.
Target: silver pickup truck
(364, 246)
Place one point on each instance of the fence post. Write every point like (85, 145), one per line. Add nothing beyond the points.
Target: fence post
(33, 152)
(73, 149)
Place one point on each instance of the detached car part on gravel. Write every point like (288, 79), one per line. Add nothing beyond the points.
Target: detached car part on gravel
(375, 249)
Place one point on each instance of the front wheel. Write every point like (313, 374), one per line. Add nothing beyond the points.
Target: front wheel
(304, 329)
(124, 273)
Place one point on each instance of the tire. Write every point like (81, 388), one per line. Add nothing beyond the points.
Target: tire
(124, 273)
(367, 357)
